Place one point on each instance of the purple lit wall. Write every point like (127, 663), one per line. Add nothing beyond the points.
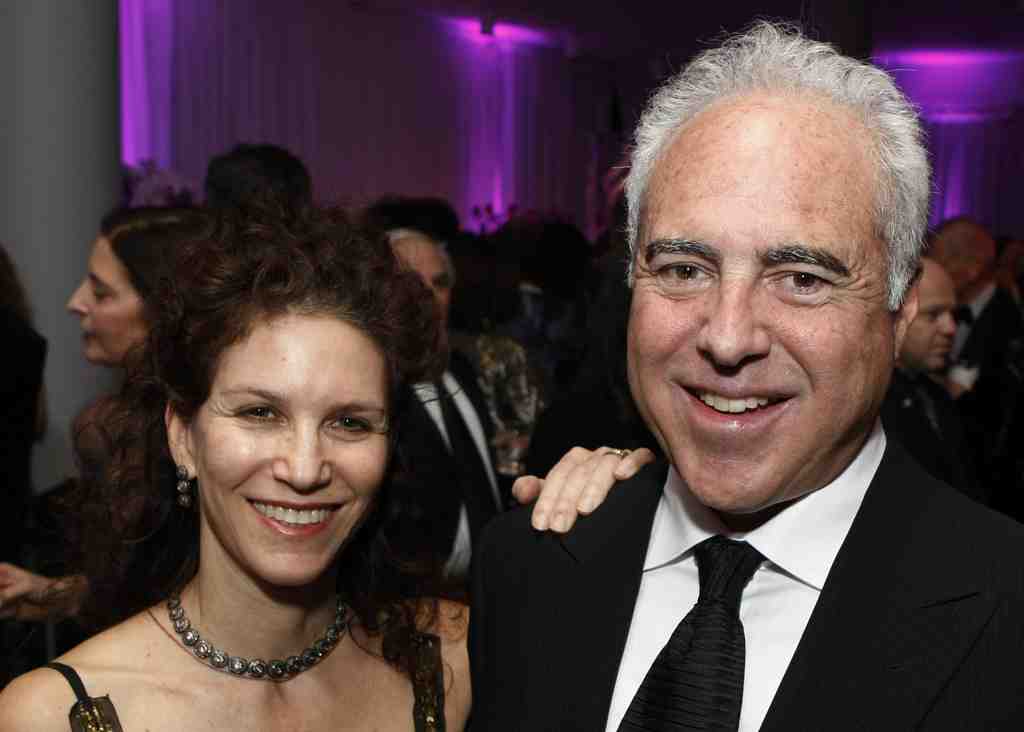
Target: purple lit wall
(374, 102)
(146, 42)
(970, 102)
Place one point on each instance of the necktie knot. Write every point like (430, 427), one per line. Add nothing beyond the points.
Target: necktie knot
(725, 568)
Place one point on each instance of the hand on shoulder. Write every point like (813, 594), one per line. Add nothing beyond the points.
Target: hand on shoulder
(578, 484)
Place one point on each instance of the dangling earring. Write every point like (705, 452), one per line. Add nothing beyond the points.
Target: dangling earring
(184, 487)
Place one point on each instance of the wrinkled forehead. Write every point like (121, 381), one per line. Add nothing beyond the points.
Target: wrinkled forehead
(770, 167)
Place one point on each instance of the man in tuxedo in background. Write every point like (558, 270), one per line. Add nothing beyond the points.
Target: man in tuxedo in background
(918, 411)
(987, 375)
(793, 570)
(444, 440)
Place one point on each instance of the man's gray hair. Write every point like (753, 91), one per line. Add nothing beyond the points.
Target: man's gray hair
(775, 57)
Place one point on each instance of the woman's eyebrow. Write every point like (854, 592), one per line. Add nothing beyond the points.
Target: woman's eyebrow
(97, 280)
(355, 405)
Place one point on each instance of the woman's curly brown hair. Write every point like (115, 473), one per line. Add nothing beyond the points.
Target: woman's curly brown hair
(238, 269)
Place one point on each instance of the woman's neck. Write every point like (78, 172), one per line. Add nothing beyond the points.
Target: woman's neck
(245, 617)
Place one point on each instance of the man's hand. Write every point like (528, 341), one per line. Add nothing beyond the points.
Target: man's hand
(28, 596)
(578, 484)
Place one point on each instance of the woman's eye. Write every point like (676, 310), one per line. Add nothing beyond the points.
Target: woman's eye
(352, 424)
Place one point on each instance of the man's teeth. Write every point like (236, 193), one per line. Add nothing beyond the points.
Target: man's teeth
(290, 515)
(731, 406)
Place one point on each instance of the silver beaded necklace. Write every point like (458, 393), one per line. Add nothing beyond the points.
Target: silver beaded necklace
(276, 669)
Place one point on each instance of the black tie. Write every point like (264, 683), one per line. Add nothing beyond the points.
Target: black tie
(473, 479)
(696, 682)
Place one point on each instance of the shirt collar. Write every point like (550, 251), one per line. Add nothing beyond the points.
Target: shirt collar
(801, 540)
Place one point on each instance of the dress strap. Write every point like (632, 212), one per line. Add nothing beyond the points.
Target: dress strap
(428, 684)
(72, 678)
(88, 714)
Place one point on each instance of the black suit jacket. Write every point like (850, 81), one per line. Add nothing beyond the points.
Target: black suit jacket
(941, 448)
(920, 624)
(428, 472)
(24, 359)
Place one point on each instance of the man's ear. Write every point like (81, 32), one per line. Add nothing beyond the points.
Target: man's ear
(906, 314)
(179, 439)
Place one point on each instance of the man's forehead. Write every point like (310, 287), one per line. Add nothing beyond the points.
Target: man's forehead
(936, 284)
(749, 169)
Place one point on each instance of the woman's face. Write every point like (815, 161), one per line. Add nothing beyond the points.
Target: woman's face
(109, 308)
(289, 448)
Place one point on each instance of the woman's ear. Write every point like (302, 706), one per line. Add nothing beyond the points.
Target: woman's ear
(179, 439)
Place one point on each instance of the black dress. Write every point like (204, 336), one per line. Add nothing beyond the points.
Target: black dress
(97, 714)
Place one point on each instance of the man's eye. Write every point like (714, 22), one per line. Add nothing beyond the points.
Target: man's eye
(805, 281)
(679, 272)
(259, 414)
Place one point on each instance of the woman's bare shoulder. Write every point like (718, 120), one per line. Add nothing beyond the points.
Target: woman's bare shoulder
(41, 699)
(38, 701)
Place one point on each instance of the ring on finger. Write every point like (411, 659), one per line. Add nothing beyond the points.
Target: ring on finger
(621, 452)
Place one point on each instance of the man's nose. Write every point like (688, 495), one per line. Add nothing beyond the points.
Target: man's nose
(733, 331)
(947, 324)
(302, 462)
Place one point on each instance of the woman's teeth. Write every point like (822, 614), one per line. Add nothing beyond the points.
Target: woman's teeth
(292, 516)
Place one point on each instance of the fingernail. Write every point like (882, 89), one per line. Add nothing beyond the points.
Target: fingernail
(540, 520)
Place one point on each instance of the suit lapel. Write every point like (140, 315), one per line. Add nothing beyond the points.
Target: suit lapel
(894, 619)
(609, 549)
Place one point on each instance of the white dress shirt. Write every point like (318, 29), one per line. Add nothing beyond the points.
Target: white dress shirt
(458, 561)
(800, 544)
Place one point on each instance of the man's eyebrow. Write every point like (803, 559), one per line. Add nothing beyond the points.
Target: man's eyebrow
(681, 246)
(800, 254)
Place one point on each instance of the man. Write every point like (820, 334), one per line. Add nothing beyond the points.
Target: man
(444, 441)
(918, 412)
(987, 377)
(247, 173)
(778, 196)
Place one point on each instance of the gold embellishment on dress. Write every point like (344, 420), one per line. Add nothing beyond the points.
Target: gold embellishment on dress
(428, 685)
(94, 715)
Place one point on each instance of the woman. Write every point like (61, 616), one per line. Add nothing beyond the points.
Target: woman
(250, 448)
(113, 306)
(125, 266)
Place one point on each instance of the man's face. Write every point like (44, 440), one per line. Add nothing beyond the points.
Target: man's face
(760, 346)
(930, 335)
(425, 258)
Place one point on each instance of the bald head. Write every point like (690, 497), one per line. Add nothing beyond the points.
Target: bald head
(967, 252)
